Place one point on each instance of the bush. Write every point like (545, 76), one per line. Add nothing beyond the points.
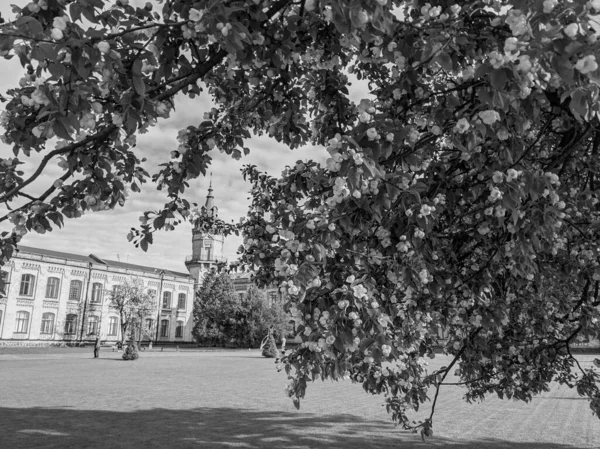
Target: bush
(270, 348)
(131, 352)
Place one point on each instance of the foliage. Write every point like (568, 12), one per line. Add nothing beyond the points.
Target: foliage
(461, 196)
(131, 351)
(270, 348)
(133, 302)
(260, 317)
(222, 318)
(217, 311)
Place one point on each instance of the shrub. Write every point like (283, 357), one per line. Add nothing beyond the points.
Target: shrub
(270, 348)
(131, 352)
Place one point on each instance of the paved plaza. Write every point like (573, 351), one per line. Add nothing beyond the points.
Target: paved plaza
(228, 399)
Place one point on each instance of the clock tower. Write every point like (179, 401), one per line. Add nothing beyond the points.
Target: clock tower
(207, 245)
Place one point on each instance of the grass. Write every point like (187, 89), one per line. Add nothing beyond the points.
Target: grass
(230, 399)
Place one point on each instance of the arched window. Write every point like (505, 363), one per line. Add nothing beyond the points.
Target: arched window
(96, 292)
(75, 291)
(71, 324)
(27, 284)
(112, 326)
(21, 322)
(47, 323)
(164, 328)
(166, 300)
(179, 330)
(52, 288)
(92, 325)
(149, 324)
(181, 301)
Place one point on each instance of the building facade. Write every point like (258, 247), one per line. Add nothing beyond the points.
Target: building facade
(53, 297)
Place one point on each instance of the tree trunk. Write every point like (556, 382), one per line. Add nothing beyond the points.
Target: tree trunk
(123, 328)
(139, 331)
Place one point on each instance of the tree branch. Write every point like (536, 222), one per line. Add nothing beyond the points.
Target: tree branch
(74, 146)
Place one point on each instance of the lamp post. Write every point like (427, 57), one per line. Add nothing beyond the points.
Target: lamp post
(162, 275)
(85, 300)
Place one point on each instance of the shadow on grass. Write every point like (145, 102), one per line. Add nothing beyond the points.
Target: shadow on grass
(213, 428)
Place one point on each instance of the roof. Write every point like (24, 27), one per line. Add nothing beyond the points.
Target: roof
(52, 253)
(210, 199)
(131, 266)
(95, 259)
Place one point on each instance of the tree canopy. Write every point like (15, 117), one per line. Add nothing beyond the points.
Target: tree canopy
(460, 198)
(223, 317)
(133, 303)
(217, 311)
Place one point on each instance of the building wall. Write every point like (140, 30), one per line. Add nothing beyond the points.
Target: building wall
(43, 267)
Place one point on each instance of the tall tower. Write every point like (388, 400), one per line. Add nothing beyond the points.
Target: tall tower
(207, 245)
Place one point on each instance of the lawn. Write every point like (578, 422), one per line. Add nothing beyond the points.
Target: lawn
(236, 399)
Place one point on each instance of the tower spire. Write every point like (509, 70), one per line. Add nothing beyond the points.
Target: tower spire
(210, 199)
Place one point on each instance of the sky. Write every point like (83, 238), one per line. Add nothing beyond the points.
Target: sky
(104, 233)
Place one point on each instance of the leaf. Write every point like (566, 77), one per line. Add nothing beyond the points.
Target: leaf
(482, 70)
(579, 104)
(30, 24)
(56, 69)
(445, 61)
(60, 129)
(498, 79)
(564, 68)
(136, 68)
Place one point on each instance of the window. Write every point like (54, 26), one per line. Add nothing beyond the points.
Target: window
(0, 319)
(112, 326)
(181, 301)
(208, 251)
(92, 325)
(115, 299)
(273, 297)
(3, 283)
(52, 288)
(152, 293)
(166, 300)
(164, 328)
(149, 323)
(96, 292)
(27, 284)
(47, 323)
(179, 329)
(22, 322)
(71, 323)
(75, 290)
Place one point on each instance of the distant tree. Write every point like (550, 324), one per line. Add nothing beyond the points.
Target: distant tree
(260, 317)
(132, 302)
(144, 309)
(222, 317)
(217, 310)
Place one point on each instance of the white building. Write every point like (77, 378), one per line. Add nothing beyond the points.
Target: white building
(50, 296)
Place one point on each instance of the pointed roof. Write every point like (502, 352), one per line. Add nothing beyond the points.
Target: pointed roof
(210, 199)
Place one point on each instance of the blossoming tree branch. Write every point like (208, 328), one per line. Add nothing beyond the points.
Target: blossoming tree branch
(460, 199)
